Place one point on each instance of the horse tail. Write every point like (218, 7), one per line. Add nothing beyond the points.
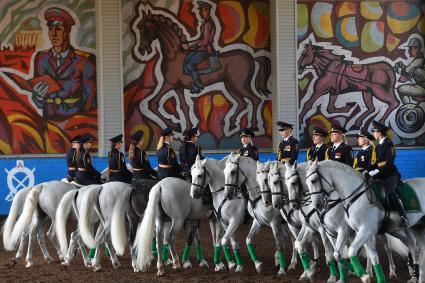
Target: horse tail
(146, 230)
(90, 200)
(263, 75)
(15, 209)
(396, 245)
(62, 214)
(31, 203)
(118, 233)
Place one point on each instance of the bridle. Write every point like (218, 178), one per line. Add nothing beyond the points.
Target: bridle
(281, 193)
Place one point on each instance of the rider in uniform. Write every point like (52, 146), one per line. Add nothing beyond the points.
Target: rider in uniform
(248, 149)
(71, 158)
(188, 152)
(142, 168)
(288, 147)
(318, 150)
(387, 171)
(117, 168)
(86, 173)
(339, 151)
(365, 159)
(168, 165)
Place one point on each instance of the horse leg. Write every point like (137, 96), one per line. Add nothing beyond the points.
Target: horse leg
(255, 228)
(51, 233)
(215, 235)
(340, 242)
(21, 248)
(385, 241)
(241, 105)
(370, 108)
(418, 232)
(113, 255)
(159, 247)
(331, 105)
(33, 229)
(96, 259)
(42, 243)
(373, 255)
(389, 98)
(177, 226)
(294, 231)
(362, 236)
(198, 246)
(278, 236)
(133, 221)
(191, 234)
(321, 88)
(328, 253)
(82, 247)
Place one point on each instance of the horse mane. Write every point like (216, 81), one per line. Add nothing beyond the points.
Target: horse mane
(168, 22)
(327, 54)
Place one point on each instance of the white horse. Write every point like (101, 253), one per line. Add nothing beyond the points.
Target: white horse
(169, 199)
(239, 170)
(362, 216)
(270, 178)
(40, 204)
(72, 200)
(337, 231)
(102, 199)
(231, 213)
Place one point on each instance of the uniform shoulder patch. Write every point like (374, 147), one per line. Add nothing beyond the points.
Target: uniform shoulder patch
(82, 53)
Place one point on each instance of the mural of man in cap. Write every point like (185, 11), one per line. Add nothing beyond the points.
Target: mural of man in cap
(67, 84)
(202, 48)
(414, 71)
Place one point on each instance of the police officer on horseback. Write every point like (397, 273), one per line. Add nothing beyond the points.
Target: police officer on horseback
(86, 173)
(168, 165)
(365, 159)
(71, 158)
(387, 171)
(142, 168)
(248, 149)
(318, 150)
(288, 147)
(188, 152)
(339, 151)
(117, 168)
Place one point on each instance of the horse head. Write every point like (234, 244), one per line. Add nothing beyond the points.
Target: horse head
(292, 182)
(263, 170)
(199, 178)
(232, 174)
(314, 184)
(147, 31)
(306, 58)
(276, 186)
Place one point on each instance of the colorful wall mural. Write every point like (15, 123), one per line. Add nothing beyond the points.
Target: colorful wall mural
(47, 74)
(197, 63)
(360, 61)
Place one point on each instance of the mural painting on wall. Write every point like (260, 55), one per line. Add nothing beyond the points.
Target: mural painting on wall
(47, 75)
(198, 64)
(359, 62)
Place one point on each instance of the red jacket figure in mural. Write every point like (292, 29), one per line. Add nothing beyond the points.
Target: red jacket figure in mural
(67, 77)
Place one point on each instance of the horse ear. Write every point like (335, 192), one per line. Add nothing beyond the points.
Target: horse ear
(287, 165)
(197, 158)
(295, 165)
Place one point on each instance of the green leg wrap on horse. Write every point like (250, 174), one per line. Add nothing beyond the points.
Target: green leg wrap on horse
(343, 270)
(91, 253)
(282, 261)
(106, 251)
(251, 251)
(153, 247)
(305, 260)
(332, 268)
(238, 257)
(227, 253)
(199, 254)
(165, 249)
(186, 252)
(347, 265)
(217, 257)
(380, 277)
(358, 268)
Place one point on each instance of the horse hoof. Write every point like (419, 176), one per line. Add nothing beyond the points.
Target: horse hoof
(187, 264)
(29, 264)
(292, 266)
(176, 265)
(135, 269)
(365, 278)
(97, 268)
(232, 265)
(65, 263)
(49, 260)
(239, 268)
(220, 267)
(331, 279)
(204, 263)
(392, 275)
(303, 276)
(116, 265)
(413, 280)
(168, 262)
(160, 273)
(13, 261)
(281, 272)
(258, 266)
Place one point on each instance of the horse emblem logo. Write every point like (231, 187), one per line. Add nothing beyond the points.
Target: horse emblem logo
(18, 178)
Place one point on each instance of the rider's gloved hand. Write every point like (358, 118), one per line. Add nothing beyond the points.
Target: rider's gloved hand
(373, 172)
(40, 90)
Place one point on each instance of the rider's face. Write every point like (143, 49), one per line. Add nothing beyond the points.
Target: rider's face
(245, 140)
(413, 51)
(205, 13)
(285, 133)
(317, 139)
(362, 141)
(336, 137)
(59, 35)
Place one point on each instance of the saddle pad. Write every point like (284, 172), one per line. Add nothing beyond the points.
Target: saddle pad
(406, 193)
(356, 72)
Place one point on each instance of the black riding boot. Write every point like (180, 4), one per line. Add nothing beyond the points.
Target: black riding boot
(398, 205)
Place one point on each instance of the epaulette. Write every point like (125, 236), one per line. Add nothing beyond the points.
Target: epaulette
(82, 53)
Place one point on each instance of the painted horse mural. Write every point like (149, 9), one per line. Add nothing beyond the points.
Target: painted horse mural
(243, 73)
(337, 75)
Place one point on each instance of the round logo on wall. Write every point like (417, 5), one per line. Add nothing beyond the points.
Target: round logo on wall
(18, 178)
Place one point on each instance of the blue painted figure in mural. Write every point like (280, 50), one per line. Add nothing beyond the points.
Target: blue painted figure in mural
(201, 49)
(414, 71)
(67, 84)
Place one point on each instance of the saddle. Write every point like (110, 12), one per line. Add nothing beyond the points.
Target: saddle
(378, 195)
(356, 72)
(210, 64)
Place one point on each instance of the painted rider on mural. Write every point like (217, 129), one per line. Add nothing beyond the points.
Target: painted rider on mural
(318, 150)
(67, 76)
(200, 49)
(414, 71)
